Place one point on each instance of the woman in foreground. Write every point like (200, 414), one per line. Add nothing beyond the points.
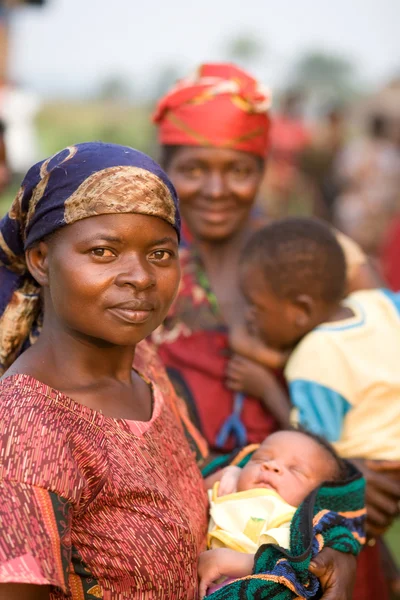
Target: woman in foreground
(100, 495)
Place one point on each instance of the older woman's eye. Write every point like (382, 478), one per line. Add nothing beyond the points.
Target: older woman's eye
(192, 171)
(241, 171)
(102, 253)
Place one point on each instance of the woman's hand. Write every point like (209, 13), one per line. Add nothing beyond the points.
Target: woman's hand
(336, 572)
(382, 493)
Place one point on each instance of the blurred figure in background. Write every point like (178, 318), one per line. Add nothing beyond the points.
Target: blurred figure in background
(4, 171)
(18, 110)
(318, 159)
(369, 172)
(286, 189)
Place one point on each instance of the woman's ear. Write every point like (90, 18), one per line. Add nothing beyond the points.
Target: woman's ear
(305, 307)
(37, 261)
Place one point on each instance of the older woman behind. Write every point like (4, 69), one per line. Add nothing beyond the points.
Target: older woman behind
(214, 134)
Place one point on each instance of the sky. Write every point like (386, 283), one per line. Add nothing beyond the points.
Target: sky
(70, 46)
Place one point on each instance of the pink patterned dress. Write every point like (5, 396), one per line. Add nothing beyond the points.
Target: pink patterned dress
(93, 506)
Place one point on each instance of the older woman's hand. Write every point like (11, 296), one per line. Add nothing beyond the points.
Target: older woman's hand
(336, 572)
(382, 493)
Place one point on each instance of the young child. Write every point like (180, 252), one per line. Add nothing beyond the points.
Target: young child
(263, 498)
(343, 374)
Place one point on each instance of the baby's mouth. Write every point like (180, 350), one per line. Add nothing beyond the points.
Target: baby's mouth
(265, 484)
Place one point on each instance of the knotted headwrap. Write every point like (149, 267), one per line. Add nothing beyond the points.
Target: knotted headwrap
(220, 106)
(80, 181)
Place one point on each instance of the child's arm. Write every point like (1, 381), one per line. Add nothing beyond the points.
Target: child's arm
(222, 562)
(251, 347)
(244, 375)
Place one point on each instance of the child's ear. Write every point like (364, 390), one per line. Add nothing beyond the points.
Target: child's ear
(305, 307)
(37, 261)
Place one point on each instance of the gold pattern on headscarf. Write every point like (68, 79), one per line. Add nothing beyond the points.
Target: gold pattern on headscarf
(16, 322)
(40, 189)
(15, 263)
(15, 211)
(122, 189)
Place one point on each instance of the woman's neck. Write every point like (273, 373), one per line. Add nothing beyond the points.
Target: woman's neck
(62, 354)
(217, 254)
(220, 262)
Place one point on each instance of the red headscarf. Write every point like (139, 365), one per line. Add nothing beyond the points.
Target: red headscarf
(221, 106)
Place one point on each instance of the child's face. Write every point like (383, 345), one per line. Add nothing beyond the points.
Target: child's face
(290, 463)
(279, 322)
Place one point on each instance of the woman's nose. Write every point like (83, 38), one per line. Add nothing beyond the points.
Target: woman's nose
(214, 185)
(272, 465)
(137, 273)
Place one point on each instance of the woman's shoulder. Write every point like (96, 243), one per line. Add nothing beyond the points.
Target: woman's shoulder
(41, 440)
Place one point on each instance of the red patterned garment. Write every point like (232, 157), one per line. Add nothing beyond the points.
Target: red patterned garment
(93, 506)
(193, 345)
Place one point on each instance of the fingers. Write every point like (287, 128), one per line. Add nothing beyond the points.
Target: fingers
(382, 483)
(234, 384)
(336, 572)
(229, 481)
(377, 522)
(384, 466)
(203, 587)
(385, 504)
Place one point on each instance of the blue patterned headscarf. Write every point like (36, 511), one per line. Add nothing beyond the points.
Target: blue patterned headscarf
(79, 182)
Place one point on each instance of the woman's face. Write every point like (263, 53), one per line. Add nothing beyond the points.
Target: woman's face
(112, 277)
(216, 187)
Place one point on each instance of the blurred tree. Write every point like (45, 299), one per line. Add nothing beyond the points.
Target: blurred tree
(325, 75)
(114, 88)
(164, 79)
(246, 49)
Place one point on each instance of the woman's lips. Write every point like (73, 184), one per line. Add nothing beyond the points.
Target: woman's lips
(133, 316)
(216, 217)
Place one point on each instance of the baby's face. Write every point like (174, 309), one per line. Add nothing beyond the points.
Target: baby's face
(290, 463)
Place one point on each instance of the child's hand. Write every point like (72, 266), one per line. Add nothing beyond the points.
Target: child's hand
(243, 375)
(247, 376)
(221, 562)
(229, 481)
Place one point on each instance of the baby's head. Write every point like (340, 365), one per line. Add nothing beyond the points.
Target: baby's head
(292, 463)
(293, 275)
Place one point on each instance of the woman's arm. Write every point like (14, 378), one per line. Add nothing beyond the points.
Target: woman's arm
(18, 591)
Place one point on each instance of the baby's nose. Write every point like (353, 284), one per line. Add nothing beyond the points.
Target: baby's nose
(272, 465)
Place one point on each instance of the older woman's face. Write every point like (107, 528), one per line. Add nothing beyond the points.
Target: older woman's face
(216, 187)
(113, 277)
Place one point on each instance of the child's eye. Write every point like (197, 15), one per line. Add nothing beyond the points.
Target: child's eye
(161, 255)
(102, 253)
(297, 470)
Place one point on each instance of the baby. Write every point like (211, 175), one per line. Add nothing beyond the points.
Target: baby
(263, 498)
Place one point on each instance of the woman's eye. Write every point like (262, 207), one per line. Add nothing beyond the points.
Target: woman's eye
(193, 172)
(160, 255)
(240, 172)
(102, 253)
